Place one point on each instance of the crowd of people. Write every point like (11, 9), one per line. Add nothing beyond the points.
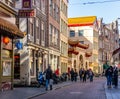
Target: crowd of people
(83, 75)
(111, 74)
(73, 75)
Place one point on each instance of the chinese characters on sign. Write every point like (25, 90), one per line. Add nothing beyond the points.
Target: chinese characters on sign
(26, 3)
(26, 13)
(26, 10)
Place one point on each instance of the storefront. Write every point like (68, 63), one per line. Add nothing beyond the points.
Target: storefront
(8, 33)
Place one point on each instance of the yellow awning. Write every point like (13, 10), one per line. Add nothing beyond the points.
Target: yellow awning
(89, 20)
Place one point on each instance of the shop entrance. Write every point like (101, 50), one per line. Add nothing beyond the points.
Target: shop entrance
(17, 66)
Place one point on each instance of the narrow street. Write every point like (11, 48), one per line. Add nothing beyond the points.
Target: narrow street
(78, 90)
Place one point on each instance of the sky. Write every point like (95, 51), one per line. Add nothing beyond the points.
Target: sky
(109, 10)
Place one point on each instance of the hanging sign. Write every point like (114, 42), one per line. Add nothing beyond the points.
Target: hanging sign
(26, 3)
(26, 13)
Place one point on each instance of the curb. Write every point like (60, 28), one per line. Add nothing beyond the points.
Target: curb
(42, 93)
(37, 95)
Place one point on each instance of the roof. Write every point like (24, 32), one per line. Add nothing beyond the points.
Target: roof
(78, 44)
(81, 21)
(10, 28)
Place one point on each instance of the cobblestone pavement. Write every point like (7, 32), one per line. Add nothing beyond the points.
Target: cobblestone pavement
(78, 90)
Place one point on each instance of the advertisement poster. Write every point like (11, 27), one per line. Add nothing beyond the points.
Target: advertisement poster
(6, 68)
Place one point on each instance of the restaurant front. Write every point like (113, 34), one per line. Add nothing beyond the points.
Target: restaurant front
(8, 33)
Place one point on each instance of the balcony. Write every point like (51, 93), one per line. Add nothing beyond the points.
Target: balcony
(9, 3)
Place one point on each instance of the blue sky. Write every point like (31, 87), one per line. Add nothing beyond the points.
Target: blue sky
(109, 11)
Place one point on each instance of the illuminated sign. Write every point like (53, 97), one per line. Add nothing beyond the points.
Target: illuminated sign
(26, 3)
(26, 13)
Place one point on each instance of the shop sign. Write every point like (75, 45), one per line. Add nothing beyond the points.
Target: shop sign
(26, 13)
(26, 3)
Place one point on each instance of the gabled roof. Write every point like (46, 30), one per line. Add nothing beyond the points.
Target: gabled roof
(81, 21)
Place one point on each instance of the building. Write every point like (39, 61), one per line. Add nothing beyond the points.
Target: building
(63, 36)
(9, 32)
(34, 56)
(78, 55)
(108, 43)
(85, 30)
(53, 32)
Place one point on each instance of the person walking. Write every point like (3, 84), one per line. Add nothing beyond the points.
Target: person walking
(108, 74)
(75, 75)
(84, 74)
(115, 76)
(49, 80)
(72, 74)
(91, 74)
(80, 74)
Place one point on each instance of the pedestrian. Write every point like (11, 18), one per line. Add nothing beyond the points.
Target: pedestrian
(108, 74)
(72, 74)
(84, 74)
(80, 74)
(75, 75)
(91, 74)
(115, 76)
(49, 80)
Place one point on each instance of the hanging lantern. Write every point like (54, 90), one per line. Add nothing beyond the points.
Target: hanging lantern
(6, 40)
(19, 45)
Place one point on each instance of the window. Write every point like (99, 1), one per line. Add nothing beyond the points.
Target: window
(57, 37)
(50, 33)
(80, 32)
(42, 31)
(31, 28)
(43, 6)
(82, 42)
(37, 32)
(32, 68)
(50, 7)
(37, 29)
(72, 33)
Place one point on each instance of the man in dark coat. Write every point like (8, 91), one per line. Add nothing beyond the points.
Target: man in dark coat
(49, 74)
(115, 76)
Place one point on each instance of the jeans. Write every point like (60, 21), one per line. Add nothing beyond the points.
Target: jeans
(91, 78)
(47, 83)
(109, 80)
